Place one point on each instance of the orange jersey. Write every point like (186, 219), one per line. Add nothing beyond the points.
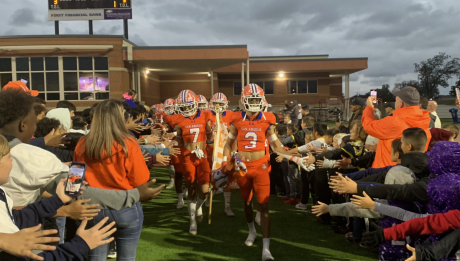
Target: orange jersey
(172, 120)
(194, 128)
(226, 117)
(251, 133)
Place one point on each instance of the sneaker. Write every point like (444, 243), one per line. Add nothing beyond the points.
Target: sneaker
(291, 201)
(281, 195)
(219, 191)
(112, 251)
(180, 204)
(301, 206)
(229, 212)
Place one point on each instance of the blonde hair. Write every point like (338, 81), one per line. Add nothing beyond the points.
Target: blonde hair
(338, 136)
(309, 136)
(107, 128)
(4, 147)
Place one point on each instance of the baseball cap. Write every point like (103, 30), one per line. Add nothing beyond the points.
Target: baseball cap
(358, 101)
(18, 85)
(408, 95)
(389, 104)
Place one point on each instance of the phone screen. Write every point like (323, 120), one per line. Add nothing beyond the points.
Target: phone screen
(75, 179)
(457, 90)
(374, 96)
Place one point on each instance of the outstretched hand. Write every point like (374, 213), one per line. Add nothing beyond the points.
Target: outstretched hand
(146, 193)
(23, 242)
(414, 255)
(363, 202)
(96, 236)
(343, 185)
(320, 209)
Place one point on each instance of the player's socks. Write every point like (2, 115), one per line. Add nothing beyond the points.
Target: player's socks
(199, 209)
(257, 218)
(266, 255)
(180, 201)
(228, 210)
(192, 212)
(171, 183)
(252, 235)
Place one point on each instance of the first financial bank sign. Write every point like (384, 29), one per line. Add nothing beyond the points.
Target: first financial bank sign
(89, 14)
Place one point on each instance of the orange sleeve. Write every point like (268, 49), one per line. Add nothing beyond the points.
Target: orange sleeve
(383, 129)
(137, 171)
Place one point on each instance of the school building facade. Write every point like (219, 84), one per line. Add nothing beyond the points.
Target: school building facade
(86, 69)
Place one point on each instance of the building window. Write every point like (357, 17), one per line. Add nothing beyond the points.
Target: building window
(267, 87)
(59, 78)
(237, 88)
(6, 73)
(302, 87)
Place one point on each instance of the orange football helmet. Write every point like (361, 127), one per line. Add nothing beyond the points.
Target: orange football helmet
(202, 102)
(170, 106)
(221, 99)
(252, 98)
(187, 103)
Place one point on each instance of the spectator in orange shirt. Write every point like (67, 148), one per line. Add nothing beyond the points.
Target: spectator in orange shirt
(114, 161)
(407, 115)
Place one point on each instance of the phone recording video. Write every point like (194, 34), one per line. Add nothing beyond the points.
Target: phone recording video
(75, 179)
(374, 96)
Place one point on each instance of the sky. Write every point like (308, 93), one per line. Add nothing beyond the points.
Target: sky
(393, 34)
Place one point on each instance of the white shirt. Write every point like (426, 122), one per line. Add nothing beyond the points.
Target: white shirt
(437, 123)
(33, 169)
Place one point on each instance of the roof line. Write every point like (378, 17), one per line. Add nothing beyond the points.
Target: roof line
(190, 47)
(287, 56)
(311, 60)
(62, 35)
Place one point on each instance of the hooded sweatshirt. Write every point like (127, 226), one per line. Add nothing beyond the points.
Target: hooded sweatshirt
(63, 115)
(391, 128)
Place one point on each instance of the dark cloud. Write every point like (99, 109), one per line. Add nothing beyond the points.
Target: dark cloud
(23, 17)
(393, 34)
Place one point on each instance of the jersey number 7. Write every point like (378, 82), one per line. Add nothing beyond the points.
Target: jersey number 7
(196, 132)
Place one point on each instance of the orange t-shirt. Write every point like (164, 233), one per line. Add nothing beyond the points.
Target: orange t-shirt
(124, 173)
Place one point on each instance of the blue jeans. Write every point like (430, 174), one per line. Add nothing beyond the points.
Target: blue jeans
(60, 222)
(129, 226)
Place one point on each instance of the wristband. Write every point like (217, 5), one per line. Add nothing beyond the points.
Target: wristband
(146, 142)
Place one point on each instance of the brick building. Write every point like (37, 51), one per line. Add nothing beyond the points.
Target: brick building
(86, 68)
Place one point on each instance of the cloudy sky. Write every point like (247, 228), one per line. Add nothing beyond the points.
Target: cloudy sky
(393, 34)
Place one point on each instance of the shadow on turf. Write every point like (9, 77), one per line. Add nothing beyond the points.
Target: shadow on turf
(295, 236)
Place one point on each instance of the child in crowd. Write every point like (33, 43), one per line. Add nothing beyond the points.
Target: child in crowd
(453, 129)
(67, 105)
(281, 133)
(287, 118)
(79, 125)
(64, 117)
(40, 111)
(29, 218)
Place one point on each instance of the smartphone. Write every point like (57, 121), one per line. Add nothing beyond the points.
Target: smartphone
(374, 96)
(75, 179)
(457, 90)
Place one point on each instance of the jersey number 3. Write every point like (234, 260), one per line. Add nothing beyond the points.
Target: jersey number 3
(253, 142)
(196, 133)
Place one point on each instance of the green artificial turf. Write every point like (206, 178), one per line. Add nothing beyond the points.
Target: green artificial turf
(294, 235)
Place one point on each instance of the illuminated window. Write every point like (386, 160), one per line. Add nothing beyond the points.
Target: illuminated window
(81, 78)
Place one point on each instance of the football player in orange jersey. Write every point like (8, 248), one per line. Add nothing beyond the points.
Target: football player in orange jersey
(193, 129)
(202, 103)
(221, 100)
(168, 115)
(171, 117)
(251, 128)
